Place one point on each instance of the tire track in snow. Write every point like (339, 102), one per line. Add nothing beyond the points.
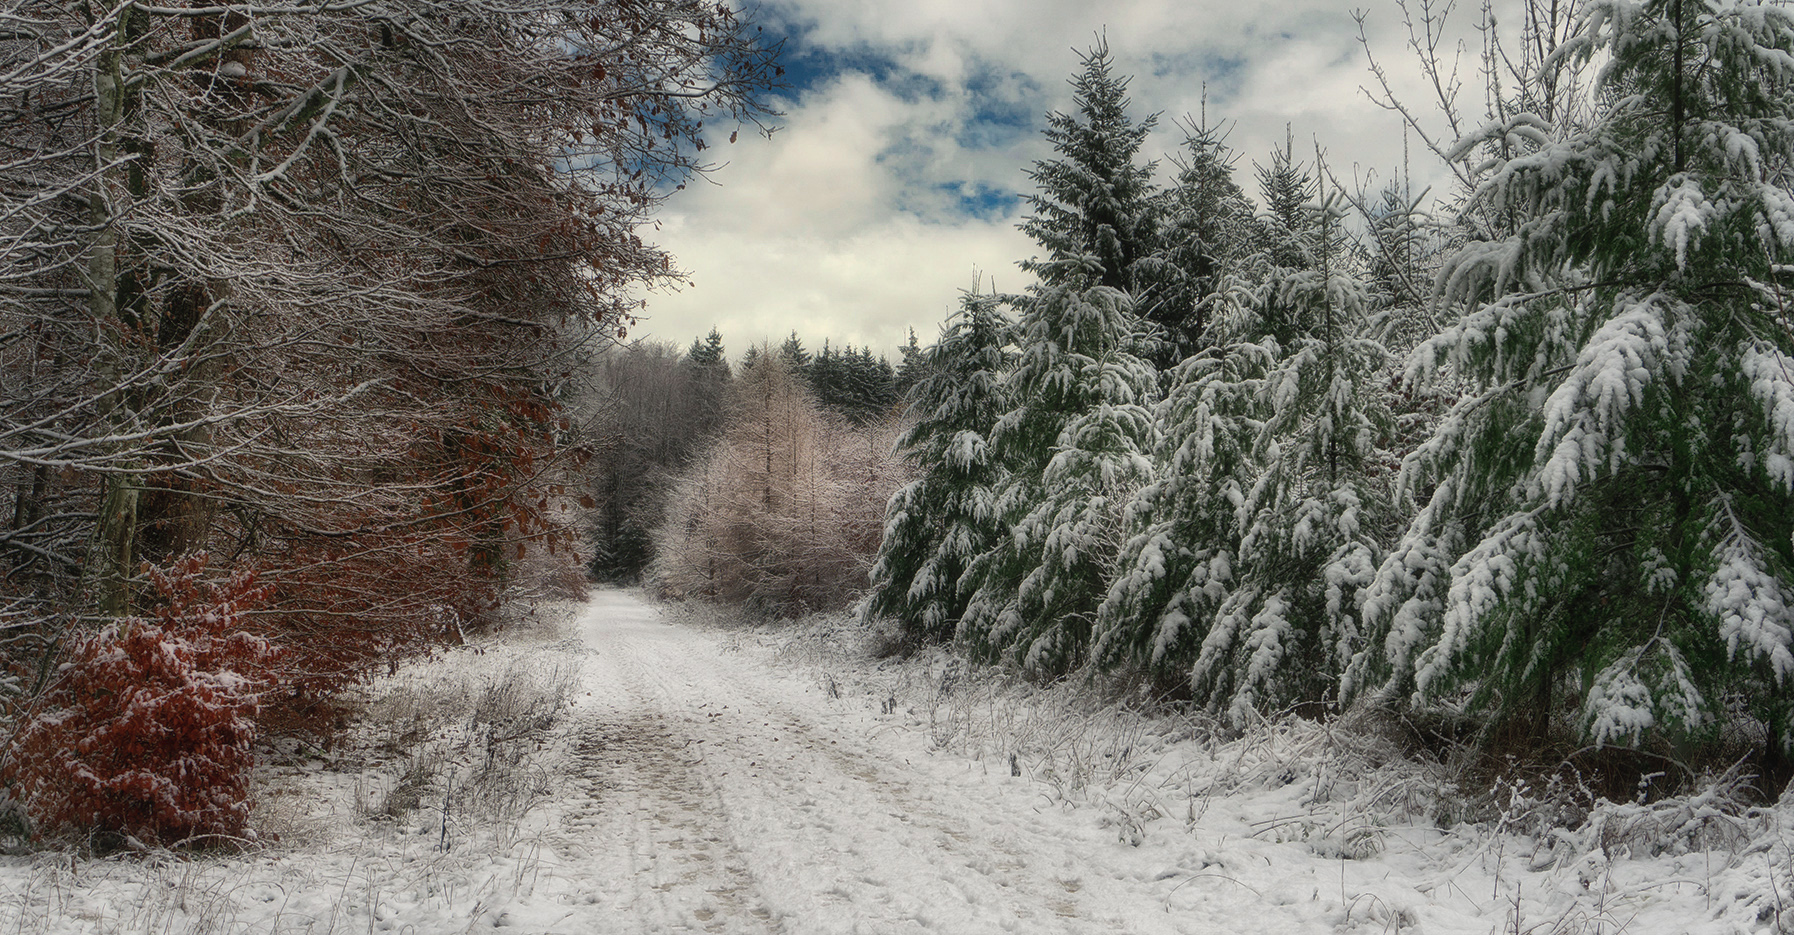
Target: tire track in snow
(641, 817)
(840, 839)
(639, 783)
(810, 827)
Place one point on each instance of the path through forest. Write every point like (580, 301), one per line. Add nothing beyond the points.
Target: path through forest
(713, 795)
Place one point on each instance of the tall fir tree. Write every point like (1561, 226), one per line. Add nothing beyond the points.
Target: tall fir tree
(1095, 197)
(1074, 446)
(826, 373)
(939, 523)
(710, 359)
(1206, 226)
(852, 383)
(1604, 550)
(1074, 443)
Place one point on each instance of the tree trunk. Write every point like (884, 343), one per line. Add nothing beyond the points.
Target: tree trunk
(111, 559)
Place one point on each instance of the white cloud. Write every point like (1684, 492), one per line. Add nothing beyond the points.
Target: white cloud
(848, 224)
(809, 231)
(865, 289)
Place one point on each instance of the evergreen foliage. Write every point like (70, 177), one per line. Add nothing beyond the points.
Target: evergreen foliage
(912, 365)
(852, 383)
(1399, 248)
(1250, 545)
(1603, 545)
(792, 352)
(1095, 198)
(1284, 239)
(1588, 534)
(1288, 190)
(939, 523)
(1073, 446)
(708, 353)
(1207, 225)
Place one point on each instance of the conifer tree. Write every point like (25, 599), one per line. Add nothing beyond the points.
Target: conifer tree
(826, 374)
(937, 524)
(708, 352)
(1095, 198)
(1207, 224)
(1605, 545)
(1074, 443)
(870, 389)
(793, 353)
(1284, 236)
(850, 382)
(911, 365)
(1249, 547)
(1073, 446)
(771, 516)
(1399, 248)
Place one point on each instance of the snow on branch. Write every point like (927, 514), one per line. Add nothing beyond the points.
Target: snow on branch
(1483, 579)
(1583, 415)
(1770, 374)
(1748, 597)
(1621, 706)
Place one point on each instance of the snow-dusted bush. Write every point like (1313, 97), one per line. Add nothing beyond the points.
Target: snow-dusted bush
(146, 729)
(784, 513)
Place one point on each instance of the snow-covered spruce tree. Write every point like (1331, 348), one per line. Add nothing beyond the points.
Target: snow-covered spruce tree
(938, 523)
(1074, 447)
(1604, 542)
(1206, 224)
(1096, 199)
(1405, 250)
(1287, 188)
(1251, 545)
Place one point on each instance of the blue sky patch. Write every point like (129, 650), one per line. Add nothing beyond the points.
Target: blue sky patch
(985, 202)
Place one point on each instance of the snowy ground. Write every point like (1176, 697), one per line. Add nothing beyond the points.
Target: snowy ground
(631, 774)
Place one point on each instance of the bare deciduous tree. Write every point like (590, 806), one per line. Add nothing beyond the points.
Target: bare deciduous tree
(786, 510)
(303, 284)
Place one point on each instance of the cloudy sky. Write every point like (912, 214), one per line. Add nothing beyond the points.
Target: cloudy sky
(897, 175)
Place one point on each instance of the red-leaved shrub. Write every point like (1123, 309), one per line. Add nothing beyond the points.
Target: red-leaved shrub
(146, 730)
(343, 613)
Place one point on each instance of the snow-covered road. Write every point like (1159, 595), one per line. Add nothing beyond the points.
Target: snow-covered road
(716, 795)
(782, 780)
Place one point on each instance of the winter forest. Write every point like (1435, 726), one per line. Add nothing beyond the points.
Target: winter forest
(316, 362)
(1512, 462)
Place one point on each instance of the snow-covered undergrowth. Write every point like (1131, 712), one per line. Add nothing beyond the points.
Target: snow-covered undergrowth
(424, 806)
(1453, 853)
(621, 775)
